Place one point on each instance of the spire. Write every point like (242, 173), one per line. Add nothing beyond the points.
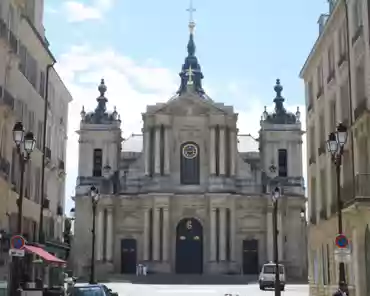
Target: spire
(191, 74)
(279, 100)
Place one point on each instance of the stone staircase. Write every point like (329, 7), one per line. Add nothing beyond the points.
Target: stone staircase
(182, 279)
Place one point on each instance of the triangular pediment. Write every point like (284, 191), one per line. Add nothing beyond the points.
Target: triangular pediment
(192, 104)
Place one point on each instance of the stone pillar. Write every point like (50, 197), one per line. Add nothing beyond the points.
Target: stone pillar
(222, 234)
(233, 152)
(165, 242)
(110, 235)
(147, 151)
(280, 236)
(269, 238)
(157, 151)
(146, 235)
(232, 233)
(99, 228)
(167, 151)
(222, 151)
(156, 225)
(212, 232)
(212, 146)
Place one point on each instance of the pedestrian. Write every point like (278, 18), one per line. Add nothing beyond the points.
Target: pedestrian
(144, 269)
(342, 290)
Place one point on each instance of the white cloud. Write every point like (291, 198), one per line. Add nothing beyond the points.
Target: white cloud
(131, 87)
(79, 12)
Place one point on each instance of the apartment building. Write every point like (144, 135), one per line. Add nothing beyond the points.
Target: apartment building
(27, 81)
(337, 81)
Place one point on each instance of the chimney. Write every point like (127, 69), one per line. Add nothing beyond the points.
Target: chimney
(322, 21)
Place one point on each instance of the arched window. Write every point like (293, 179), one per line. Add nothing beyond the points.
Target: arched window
(189, 163)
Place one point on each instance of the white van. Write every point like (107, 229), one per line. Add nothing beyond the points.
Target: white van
(267, 276)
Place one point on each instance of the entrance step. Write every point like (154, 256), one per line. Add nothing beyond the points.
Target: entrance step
(183, 279)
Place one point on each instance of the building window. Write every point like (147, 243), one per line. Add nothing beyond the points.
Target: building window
(310, 94)
(319, 81)
(162, 150)
(283, 162)
(360, 84)
(228, 235)
(217, 150)
(189, 163)
(342, 41)
(344, 101)
(98, 162)
(42, 84)
(152, 150)
(357, 15)
(217, 235)
(331, 61)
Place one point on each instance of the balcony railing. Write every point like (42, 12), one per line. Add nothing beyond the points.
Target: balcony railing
(9, 36)
(4, 167)
(361, 108)
(6, 99)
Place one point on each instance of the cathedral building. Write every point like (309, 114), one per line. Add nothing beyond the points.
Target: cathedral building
(190, 202)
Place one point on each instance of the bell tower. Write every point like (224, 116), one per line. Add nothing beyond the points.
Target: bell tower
(99, 144)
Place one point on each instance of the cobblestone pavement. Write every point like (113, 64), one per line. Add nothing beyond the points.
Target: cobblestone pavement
(127, 289)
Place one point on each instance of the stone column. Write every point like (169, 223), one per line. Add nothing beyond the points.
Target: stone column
(156, 232)
(147, 151)
(166, 226)
(232, 234)
(99, 228)
(212, 232)
(146, 235)
(233, 152)
(212, 146)
(157, 151)
(269, 238)
(222, 234)
(110, 235)
(222, 151)
(280, 236)
(167, 151)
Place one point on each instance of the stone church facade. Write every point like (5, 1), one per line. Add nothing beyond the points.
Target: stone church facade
(189, 202)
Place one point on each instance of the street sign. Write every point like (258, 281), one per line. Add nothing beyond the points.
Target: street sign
(342, 255)
(17, 242)
(16, 253)
(341, 241)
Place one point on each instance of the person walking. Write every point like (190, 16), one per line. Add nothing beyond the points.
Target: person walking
(342, 290)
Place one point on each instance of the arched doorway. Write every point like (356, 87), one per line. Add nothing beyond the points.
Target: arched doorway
(189, 246)
(367, 259)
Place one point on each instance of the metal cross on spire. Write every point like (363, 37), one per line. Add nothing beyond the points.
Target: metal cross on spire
(191, 10)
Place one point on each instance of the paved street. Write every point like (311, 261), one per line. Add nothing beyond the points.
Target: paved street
(125, 289)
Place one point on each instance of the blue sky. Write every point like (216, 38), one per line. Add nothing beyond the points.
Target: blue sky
(139, 47)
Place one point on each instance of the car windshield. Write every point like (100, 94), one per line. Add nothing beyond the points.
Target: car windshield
(88, 291)
(270, 269)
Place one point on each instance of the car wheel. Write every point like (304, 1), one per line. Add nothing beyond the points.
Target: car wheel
(262, 287)
(282, 288)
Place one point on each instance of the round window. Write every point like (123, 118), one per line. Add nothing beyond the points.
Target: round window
(190, 151)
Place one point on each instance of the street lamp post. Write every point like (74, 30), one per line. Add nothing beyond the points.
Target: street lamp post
(24, 152)
(275, 197)
(335, 145)
(94, 200)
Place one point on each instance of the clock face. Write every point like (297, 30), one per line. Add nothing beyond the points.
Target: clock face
(190, 151)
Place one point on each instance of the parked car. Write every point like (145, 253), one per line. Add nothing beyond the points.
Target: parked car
(90, 290)
(267, 276)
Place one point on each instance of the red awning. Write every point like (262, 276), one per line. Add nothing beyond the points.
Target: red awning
(44, 255)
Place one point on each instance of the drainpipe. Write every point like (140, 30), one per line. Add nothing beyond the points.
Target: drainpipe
(41, 219)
